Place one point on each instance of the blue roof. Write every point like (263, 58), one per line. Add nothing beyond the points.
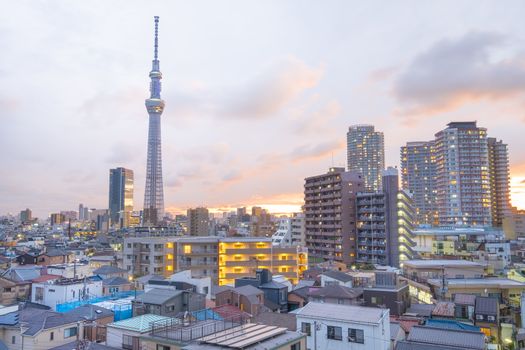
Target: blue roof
(450, 324)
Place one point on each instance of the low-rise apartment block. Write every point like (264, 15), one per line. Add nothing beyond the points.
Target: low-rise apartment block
(222, 259)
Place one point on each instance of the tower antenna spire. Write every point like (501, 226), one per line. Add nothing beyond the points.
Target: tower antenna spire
(156, 37)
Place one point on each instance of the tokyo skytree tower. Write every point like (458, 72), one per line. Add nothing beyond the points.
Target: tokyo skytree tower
(154, 192)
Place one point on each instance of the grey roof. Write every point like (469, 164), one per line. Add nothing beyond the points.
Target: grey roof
(435, 263)
(217, 289)
(302, 292)
(115, 281)
(157, 296)
(424, 310)
(350, 313)
(447, 337)
(278, 319)
(336, 291)
(107, 269)
(406, 345)
(26, 274)
(486, 306)
(465, 299)
(338, 275)
(90, 312)
(87, 346)
(147, 278)
(248, 290)
(273, 285)
(304, 283)
(9, 319)
(395, 328)
(56, 252)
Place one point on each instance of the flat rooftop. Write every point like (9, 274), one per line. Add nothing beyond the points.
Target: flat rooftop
(479, 282)
(346, 313)
(434, 263)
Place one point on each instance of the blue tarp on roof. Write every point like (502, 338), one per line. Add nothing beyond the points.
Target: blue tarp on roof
(454, 325)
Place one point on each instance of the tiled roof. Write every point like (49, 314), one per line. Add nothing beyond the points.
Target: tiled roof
(443, 308)
(157, 296)
(465, 299)
(486, 306)
(338, 275)
(115, 281)
(106, 270)
(45, 278)
(447, 337)
(248, 290)
(336, 291)
(141, 324)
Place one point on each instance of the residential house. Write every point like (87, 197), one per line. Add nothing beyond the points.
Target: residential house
(464, 306)
(108, 271)
(64, 290)
(332, 277)
(275, 293)
(126, 334)
(486, 316)
(167, 302)
(247, 298)
(388, 292)
(52, 257)
(425, 338)
(298, 297)
(336, 294)
(333, 326)
(424, 270)
(11, 291)
(114, 285)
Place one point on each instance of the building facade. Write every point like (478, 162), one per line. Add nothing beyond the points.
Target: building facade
(222, 259)
(198, 221)
(499, 180)
(463, 177)
(418, 176)
(385, 223)
(366, 154)
(330, 215)
(298, 229)
(120, 196)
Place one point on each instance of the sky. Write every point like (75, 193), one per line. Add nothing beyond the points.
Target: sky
(259, 94)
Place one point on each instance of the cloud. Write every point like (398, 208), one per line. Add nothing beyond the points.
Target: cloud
(319, 121)
(269, 92)
(454, 72)
(312, 152)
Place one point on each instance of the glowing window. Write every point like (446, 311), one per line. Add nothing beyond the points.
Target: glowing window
(187, 249)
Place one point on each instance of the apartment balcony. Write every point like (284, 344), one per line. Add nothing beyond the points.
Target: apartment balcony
(254, 251)
(201, 252)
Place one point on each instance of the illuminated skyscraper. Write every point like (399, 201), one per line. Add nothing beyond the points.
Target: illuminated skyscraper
(462, 175)
(366, 154)
(154, 193)
(120, 196)
(499, 180)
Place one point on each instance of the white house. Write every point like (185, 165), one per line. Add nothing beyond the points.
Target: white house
(126, 334)
(64, 290)
(334, 326)
(332, 277)
(203, 284)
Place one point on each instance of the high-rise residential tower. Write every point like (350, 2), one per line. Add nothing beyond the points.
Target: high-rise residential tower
(385, 223)
(366, 154)
(418, 176)
(330, 215)
(198, 222)
(154, 193)
(499, 180)
(120, 196)
(462, 175)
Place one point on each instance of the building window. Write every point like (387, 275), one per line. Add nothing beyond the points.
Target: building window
(162, 347)
(306, 328)
(187, 249)
(296, 346)
(13, 339)
(356, 335)
(127, 342)
(335, 333)
(491, 318)
(51, 336)
(70, 332)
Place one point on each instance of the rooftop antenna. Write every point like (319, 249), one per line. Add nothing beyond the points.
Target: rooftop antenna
(156, 38)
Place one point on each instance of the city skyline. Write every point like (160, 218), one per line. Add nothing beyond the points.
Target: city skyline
(249, 113)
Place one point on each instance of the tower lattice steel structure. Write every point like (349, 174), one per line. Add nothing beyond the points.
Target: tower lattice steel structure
(154, 193)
